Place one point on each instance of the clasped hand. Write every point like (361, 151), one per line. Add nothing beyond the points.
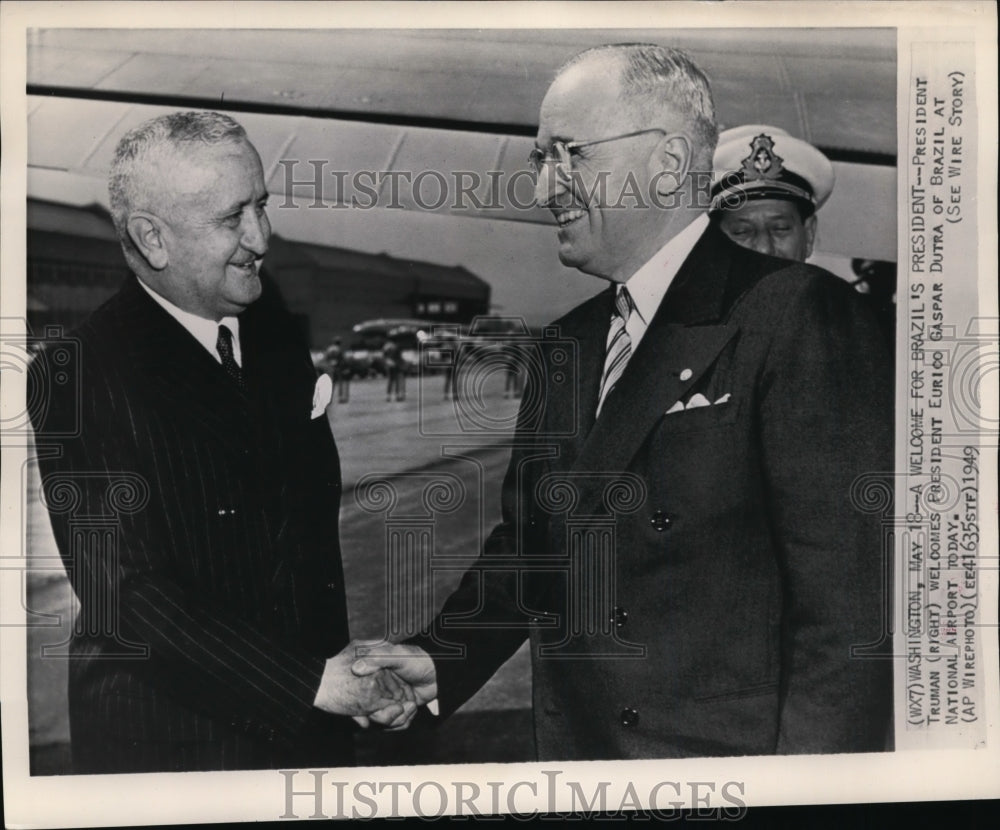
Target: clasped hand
(379, 682)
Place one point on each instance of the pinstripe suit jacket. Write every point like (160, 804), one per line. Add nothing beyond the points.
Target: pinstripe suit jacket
(199, 527)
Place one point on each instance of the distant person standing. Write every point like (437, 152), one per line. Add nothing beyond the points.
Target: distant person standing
(513, 382)
(338, 371)
(448, 347)
(767, 188)
(449, 381)
(393, 361)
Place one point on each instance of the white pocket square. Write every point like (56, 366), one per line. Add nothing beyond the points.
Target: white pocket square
(322, 395)
(696, 401)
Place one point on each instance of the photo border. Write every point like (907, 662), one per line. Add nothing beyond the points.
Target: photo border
(250, 796)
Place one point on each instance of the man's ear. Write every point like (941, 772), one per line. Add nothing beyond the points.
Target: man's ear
(146, 232)
(670, 163)
(810, 228)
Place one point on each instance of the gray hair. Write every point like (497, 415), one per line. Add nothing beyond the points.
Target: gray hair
(654, 78)
(165, 133)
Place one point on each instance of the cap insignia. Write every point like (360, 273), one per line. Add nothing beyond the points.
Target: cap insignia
(762, 163)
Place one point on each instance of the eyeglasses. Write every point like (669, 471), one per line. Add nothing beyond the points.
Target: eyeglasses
(561, 152)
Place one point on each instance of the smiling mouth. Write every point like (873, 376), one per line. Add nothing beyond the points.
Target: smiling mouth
(249, 267)
(567, 217)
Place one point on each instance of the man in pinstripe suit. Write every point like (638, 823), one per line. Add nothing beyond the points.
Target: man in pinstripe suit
(212, 616)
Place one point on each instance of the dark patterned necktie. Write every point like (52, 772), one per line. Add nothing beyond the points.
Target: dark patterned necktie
(224, 345)
(619, 345)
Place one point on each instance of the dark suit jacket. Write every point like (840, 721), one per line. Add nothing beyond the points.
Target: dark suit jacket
(693, 583)
(199, 527)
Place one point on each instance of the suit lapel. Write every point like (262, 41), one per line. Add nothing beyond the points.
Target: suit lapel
(179, 368)
(686, 329)
(651, 384)
(279, 376)
(571, 415)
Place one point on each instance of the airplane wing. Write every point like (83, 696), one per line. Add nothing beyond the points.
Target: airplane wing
(326, 108)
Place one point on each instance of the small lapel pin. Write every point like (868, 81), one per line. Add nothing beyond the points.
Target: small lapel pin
(686, 374)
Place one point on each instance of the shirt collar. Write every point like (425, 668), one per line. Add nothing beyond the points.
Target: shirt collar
(648, 285)
(204, 331)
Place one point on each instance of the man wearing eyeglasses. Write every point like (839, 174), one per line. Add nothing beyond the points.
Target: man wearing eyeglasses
(687, 538)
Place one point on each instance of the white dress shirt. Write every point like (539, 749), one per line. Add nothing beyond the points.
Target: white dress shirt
(204, 331)
(648, 285)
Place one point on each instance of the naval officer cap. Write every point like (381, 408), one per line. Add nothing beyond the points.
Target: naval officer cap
(761, 162)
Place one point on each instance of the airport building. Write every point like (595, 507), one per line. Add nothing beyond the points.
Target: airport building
(74, 263)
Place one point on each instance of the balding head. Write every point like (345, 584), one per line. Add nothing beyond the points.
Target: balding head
(623, 154)
(659, 85)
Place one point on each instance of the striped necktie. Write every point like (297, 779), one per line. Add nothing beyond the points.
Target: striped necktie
(224, 345)
(619, 347)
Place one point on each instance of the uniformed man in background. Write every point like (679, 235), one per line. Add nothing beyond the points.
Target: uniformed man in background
(766, 189)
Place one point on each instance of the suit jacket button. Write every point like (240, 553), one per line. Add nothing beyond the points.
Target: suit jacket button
(629, 717)
(660, 521)
(619, 616)
(331, 586)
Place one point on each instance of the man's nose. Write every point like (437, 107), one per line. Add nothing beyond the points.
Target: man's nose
(761, 243)
(256, 232)
(549, 183)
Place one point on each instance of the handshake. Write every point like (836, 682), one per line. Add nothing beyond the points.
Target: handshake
(377, 681)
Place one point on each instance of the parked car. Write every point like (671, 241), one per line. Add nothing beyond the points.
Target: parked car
(354, 362)
(371, 335)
